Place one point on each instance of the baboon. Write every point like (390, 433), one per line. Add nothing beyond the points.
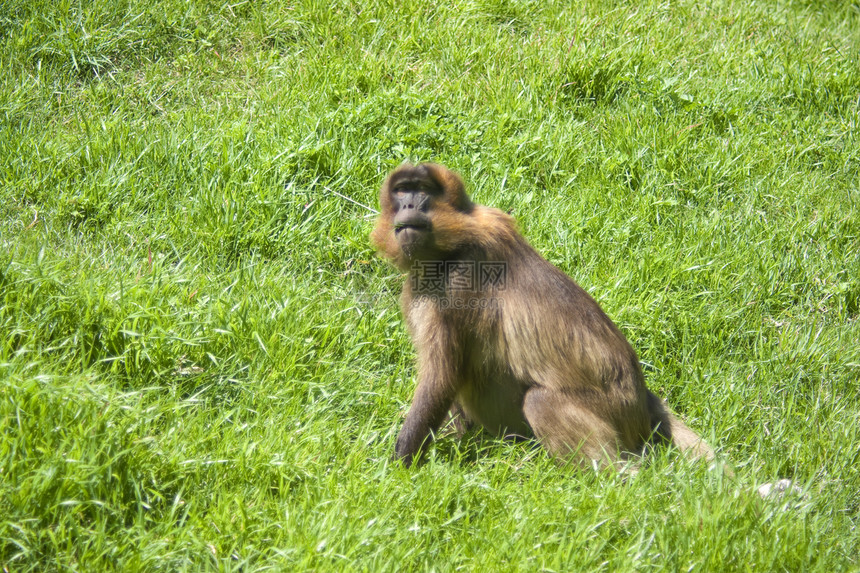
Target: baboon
(504, 339)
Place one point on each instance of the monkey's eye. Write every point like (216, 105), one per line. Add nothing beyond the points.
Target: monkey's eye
(416, 187)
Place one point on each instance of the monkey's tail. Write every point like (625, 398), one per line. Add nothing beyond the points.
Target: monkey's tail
(669, 428)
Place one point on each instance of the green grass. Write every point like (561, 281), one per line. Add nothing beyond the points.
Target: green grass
(202, 363)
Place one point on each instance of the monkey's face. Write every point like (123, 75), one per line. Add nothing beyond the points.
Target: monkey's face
(424, 214)
(412, 202)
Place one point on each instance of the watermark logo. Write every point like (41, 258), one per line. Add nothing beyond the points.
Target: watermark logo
(458, 303)
(466, 276)
(493, 275)
(428, 276)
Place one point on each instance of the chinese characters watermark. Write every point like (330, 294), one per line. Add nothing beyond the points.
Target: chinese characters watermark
(466, 276)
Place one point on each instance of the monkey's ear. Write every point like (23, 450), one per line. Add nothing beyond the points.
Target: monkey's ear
(452, 184)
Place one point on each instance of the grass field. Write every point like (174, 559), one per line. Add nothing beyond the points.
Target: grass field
(202, 362)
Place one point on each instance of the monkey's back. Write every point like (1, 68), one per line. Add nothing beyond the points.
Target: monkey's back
(554, 336)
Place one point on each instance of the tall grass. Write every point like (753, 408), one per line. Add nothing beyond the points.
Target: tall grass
(202, 363)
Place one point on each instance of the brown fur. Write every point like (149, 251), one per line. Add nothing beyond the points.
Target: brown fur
(534, 356)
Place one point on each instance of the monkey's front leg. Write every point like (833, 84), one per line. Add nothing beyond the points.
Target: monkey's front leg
(425, 416)
(433, 398)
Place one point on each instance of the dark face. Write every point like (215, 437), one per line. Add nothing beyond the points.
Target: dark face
(412, 197)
